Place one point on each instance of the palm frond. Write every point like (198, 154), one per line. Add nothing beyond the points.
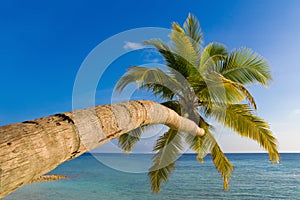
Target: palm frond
(158, 44)
(169, 55)
(177, 57)
(183, 47)
(177, 27)
(212, 54)
(246, 67)
(216, 89)
(193, 30)
(174, 105)
(168, 148)
(201, 145)
(239, 117)
(172, 60)
(128, 140)
(159, 175)
(159, 91)
(222, 164)
(152, 79)
(241, 88)
(208, 144)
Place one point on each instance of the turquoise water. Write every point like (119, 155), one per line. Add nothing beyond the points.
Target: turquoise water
(253, 178)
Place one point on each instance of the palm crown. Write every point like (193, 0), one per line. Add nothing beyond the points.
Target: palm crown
(201, 83)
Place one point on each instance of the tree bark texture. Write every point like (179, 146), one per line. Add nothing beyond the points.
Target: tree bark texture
(31, 149)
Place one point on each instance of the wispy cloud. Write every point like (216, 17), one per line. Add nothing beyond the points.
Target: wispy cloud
(295, 112)
(132, 46)
(154, 60)
(152, 56)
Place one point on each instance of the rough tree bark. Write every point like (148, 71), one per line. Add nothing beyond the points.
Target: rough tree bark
(32, 148)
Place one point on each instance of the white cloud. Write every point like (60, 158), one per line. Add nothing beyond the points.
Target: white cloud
(152, 56)
(295, 112)
(154, 60)
(132, 46)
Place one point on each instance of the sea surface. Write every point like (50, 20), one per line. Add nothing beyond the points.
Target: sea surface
(92, 177)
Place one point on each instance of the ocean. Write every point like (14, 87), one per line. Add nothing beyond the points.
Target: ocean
(114, 177)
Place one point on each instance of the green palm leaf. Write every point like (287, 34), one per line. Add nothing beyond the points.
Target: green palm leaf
(208, 144)
(245, 67)
(216, 89)
(164, 49)
(239, 117)
(159, 91)
(159, 175)
(211, 55)
(152, 79)
(242, 89)
(128, 140)
(172, 60)
(222, 164)
(168, 148)
(193, 30)
(201, 145)
(183, 48)
(158, 44)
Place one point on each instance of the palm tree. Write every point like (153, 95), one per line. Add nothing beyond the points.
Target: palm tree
(31, 149)
(201, 83)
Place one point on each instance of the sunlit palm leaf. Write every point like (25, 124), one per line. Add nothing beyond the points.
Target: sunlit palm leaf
(241, 89)
(158, 44)
(152, 79)
(176, 27)
(239, 117)
(176, 60)
(246, 67)
(208, 144)
(222, 164)
(168, 147)
(201, 145)
(173, 61)
(218, 89)
(164, 49)
(193, 30)
(211, 55)
(183, 47)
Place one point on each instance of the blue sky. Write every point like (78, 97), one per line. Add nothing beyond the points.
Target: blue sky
(43, 44)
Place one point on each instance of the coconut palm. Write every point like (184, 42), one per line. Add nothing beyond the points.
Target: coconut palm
(202, 83)
(31, 149)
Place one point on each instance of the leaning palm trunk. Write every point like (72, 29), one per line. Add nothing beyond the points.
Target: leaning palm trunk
(33, 148)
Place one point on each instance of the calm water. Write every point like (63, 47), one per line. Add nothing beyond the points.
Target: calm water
(253, 178)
